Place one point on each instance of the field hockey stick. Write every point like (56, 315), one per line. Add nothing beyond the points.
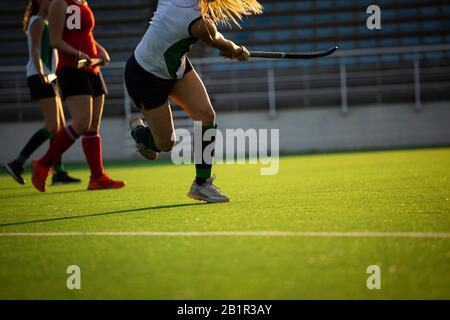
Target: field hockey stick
(84, 63)
(285, 55)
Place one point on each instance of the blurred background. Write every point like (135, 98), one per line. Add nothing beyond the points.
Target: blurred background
(387, 88)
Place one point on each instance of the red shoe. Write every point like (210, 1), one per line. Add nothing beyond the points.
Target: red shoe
(105, 182)
(39, 176)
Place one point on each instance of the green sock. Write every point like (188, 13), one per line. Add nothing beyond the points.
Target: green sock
(35, 142)
(21, 159)
(203, 169)
(59, 168)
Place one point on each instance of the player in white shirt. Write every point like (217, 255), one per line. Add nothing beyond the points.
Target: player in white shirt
(43, 90)
(159, 69)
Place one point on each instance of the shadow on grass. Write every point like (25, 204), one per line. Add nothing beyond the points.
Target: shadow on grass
(101, 214)
(36, 193)
(16, 188)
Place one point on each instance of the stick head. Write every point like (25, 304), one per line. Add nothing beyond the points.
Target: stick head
(96, 62)
(51, 77)
(82, 63)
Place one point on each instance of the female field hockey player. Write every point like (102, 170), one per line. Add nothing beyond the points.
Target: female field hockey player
(41, 58)
(159, 69)
(82, 89)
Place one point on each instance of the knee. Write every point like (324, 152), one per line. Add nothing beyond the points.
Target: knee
(81, 127)
(53, 129)
(95, 126)
(166, 146)
(207, 116)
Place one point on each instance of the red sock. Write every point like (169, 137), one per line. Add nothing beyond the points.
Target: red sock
(92, 147)
(62, 141)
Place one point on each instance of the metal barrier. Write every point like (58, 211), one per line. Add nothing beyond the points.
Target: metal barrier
(13, 93)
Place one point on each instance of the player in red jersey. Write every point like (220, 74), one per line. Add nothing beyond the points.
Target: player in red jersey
(71, 23)
(43, 90)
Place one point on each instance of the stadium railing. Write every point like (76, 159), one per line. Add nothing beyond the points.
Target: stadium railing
(271, 85)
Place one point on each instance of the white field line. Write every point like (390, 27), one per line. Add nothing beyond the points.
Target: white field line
(234, 234)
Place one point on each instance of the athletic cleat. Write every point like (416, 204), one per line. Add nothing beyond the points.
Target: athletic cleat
(105, 182)
(136, 121)
(15, 170)
(144, 151)
(62, 178)
(207, 192)
(39, 176)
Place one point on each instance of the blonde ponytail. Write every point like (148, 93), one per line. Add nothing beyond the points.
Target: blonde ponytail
(226, 11)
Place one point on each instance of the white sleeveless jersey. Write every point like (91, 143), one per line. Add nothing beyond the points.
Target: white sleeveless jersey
(31, 68)
(162, 51)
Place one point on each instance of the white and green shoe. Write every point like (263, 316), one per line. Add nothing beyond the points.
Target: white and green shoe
(207, 192)
(144, 151)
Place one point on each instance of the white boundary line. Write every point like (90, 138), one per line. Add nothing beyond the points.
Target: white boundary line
(235, 234)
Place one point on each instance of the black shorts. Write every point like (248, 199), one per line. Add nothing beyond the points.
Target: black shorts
(146, 89)
(76, 82)
(40, 90)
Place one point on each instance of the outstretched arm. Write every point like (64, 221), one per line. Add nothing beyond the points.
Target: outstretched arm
(207, 32)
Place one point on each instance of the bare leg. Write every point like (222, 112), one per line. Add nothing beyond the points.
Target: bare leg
(80, 108)
(61, 175)
(97, 113)
(161, 126)
(190, 93)
(51, 113)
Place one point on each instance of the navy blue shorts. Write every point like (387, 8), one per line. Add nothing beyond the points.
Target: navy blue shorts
(78, 82)
(40, 90)
(147, 90)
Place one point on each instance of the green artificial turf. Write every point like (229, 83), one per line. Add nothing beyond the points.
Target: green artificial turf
(392, 191)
